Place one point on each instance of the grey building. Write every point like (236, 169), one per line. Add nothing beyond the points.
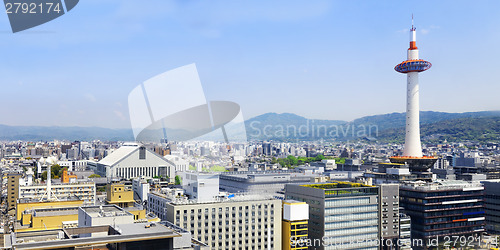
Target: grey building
(261, 181)
(389, 213)
(342, 215)
(131, 161)
(241, 222)
(492, 205)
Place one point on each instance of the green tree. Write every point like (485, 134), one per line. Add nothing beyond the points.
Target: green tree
(56, 171)
(94, 176)
(44, 175)
(178, 180)
(319, 157)
(293, 160)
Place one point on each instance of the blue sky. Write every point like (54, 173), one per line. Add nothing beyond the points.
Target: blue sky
(319, 59)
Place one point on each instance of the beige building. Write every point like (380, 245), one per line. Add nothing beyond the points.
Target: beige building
(242, 222)
(80, 190)
(12, 191)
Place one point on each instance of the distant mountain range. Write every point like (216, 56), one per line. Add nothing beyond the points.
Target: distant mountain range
(386, 128)
(473, 126)
(40, 133)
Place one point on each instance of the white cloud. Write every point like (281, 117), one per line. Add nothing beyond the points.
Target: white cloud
(119, 115)
(90, 97)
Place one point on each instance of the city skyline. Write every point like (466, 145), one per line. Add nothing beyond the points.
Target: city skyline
(302, 58)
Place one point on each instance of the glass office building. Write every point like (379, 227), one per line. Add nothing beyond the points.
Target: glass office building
(443, 208)
(342, 215)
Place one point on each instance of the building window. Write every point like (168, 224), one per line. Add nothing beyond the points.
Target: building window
(142, 153)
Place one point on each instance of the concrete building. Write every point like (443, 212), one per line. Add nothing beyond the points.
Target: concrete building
(342, 215)
(161, 236)
(261, 181)
(492, 205)
(241, 222)
(389, 211)
(133, 160)
(46, 215)
(64, 191)
(48, 218)
(12, 189)
(141, 187)
(180, 164)
(103, 215)
(404, 232)
(443, 208)
(295, 225)
(201, 186)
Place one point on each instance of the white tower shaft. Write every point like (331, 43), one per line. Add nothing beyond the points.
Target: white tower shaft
(413, 145)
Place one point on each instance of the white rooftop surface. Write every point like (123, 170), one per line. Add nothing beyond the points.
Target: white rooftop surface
(140, 228)
(119, 154)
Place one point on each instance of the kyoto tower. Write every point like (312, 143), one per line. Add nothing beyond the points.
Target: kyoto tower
(412, 153)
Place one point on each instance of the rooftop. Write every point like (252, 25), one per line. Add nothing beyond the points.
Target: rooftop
(119, 154)
(42, 212)
(442, 185)
(336, 185)
(74, 237)
(105, 211)
(240, 197)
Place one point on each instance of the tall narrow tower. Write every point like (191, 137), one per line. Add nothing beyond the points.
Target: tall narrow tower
(411, 67)
(412, 153)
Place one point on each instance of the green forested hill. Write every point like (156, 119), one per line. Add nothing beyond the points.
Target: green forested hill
(483, 129)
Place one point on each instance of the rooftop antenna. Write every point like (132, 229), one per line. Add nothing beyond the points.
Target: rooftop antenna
(412, 21)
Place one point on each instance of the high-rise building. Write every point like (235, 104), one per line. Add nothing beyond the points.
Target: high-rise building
(12, 189)
(342, 215)
(492, 205)
(443, 208)
(389, 211)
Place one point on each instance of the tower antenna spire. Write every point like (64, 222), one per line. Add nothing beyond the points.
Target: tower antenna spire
(412, 20)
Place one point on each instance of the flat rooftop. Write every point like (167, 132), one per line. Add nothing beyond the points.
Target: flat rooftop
(336, 185)
(105, 211)
(42, 212)
(74, 237)
(442, 185)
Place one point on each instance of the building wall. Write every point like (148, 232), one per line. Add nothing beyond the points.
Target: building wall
(86, 220)
(117, 193)
(132, 166)
(21, 207)
(389, 209)
(340, 217)
(200, 186)
(443, 210)
(12, 190)
(142, 189)
(226, 225)
(492, 206)
(51, 222)
(85, 191)
(296, 229)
